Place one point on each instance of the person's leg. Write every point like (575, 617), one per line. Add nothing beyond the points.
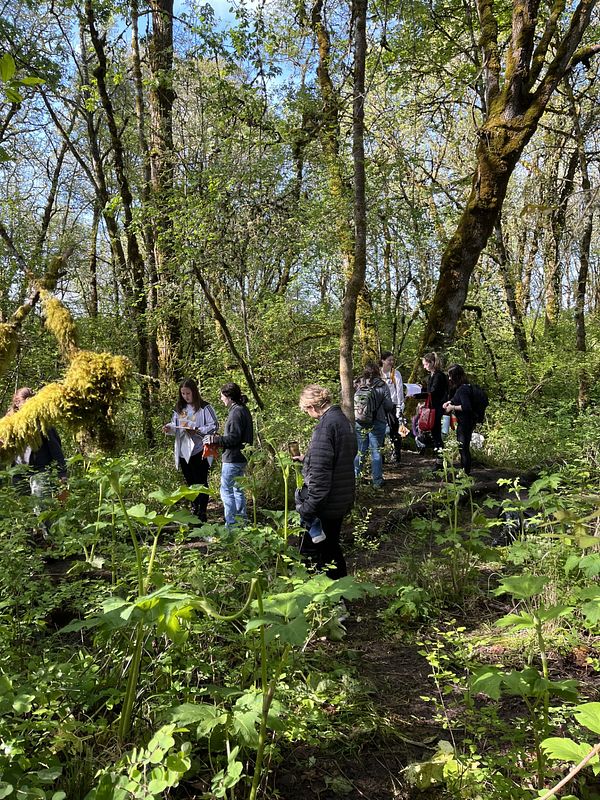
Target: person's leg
(195, 471)
(463, 435)
(326, 555)
(238, 493)
(362, 442)
(227, 477)
(376, 439)
(234, 500)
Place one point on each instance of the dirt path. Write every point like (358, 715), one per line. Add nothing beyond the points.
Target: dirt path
(385, 659)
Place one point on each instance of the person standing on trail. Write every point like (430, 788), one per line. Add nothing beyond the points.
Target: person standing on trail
(393, 380)
(192, 420)
(238, 432)
(329, 485)
(40, 460)
(437, 390)
(372, 395)
(461, 405)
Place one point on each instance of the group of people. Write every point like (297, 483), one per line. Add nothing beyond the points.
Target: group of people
(195, 426)
(446, 394)
(331, 465)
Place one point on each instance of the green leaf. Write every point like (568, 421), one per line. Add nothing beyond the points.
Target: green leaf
(522, 586)
(518, 621)
(588, 715)
(7, 67)
(487, 680)
(12, 95)
(6, 789)
(546, 614)
(566, 749)
(31, 80)
(22, 703)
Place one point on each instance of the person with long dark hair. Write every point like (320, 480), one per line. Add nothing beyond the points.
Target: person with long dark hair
(193, 419)
(437, 391)
(329, 483)
(461, 405)
(238, 433)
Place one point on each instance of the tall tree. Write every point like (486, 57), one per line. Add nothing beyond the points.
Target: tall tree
(516, 95)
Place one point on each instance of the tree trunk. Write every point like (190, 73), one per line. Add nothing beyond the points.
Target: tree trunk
(515, 105)
(134, 256)
(357, 277)
(161, 99)
(514, 311)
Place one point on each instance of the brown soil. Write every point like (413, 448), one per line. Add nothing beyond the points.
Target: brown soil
(388, 660)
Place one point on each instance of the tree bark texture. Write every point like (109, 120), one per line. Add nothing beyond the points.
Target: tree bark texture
(356, 279)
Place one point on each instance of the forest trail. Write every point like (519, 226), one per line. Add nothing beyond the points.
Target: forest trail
(381, 655)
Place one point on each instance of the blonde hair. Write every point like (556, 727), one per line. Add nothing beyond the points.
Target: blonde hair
(433, 358)
(314, 395)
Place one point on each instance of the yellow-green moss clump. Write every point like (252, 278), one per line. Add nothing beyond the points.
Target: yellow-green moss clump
(8, 344)
(92, 386)
(26, 426)
(84, 401)
(60, 323)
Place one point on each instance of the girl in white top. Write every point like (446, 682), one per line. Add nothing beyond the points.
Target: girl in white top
(193, 419)
(396, 386)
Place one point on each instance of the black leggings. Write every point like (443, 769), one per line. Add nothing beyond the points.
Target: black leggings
(326, 553)
(463, 435)
(196, 471)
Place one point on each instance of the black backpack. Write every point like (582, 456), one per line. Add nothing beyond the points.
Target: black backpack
(479, 402)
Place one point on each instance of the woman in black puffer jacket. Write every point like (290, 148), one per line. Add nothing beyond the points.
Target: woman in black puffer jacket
(329, 483)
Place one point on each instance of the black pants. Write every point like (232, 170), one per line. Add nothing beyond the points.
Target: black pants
(327, 553)
(196, 471)
(463, 436)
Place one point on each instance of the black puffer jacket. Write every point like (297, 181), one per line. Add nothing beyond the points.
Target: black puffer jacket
(329, 468)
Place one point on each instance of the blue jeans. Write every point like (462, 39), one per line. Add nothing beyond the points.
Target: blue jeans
(232, 495)
(370, 439)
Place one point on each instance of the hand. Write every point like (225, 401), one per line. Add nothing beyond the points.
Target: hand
(298, 458)
(447, 406)
(210, 439)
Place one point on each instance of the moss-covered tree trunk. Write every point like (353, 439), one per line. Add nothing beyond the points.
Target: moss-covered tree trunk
(517, 95)
(356, 279)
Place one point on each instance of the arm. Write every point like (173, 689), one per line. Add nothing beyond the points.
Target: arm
(208, 416)
(399, 394)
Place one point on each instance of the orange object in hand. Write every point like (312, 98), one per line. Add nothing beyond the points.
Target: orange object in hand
(210, 451)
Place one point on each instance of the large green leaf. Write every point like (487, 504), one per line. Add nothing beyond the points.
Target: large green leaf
(522, 586)
(7, 67)
(588, 715)
(566, 749)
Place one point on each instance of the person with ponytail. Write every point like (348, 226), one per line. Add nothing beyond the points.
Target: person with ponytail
(461, 405)
(437, 389)
(238, 432)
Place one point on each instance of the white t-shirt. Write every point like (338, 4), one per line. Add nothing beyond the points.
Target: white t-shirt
(396, 386)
